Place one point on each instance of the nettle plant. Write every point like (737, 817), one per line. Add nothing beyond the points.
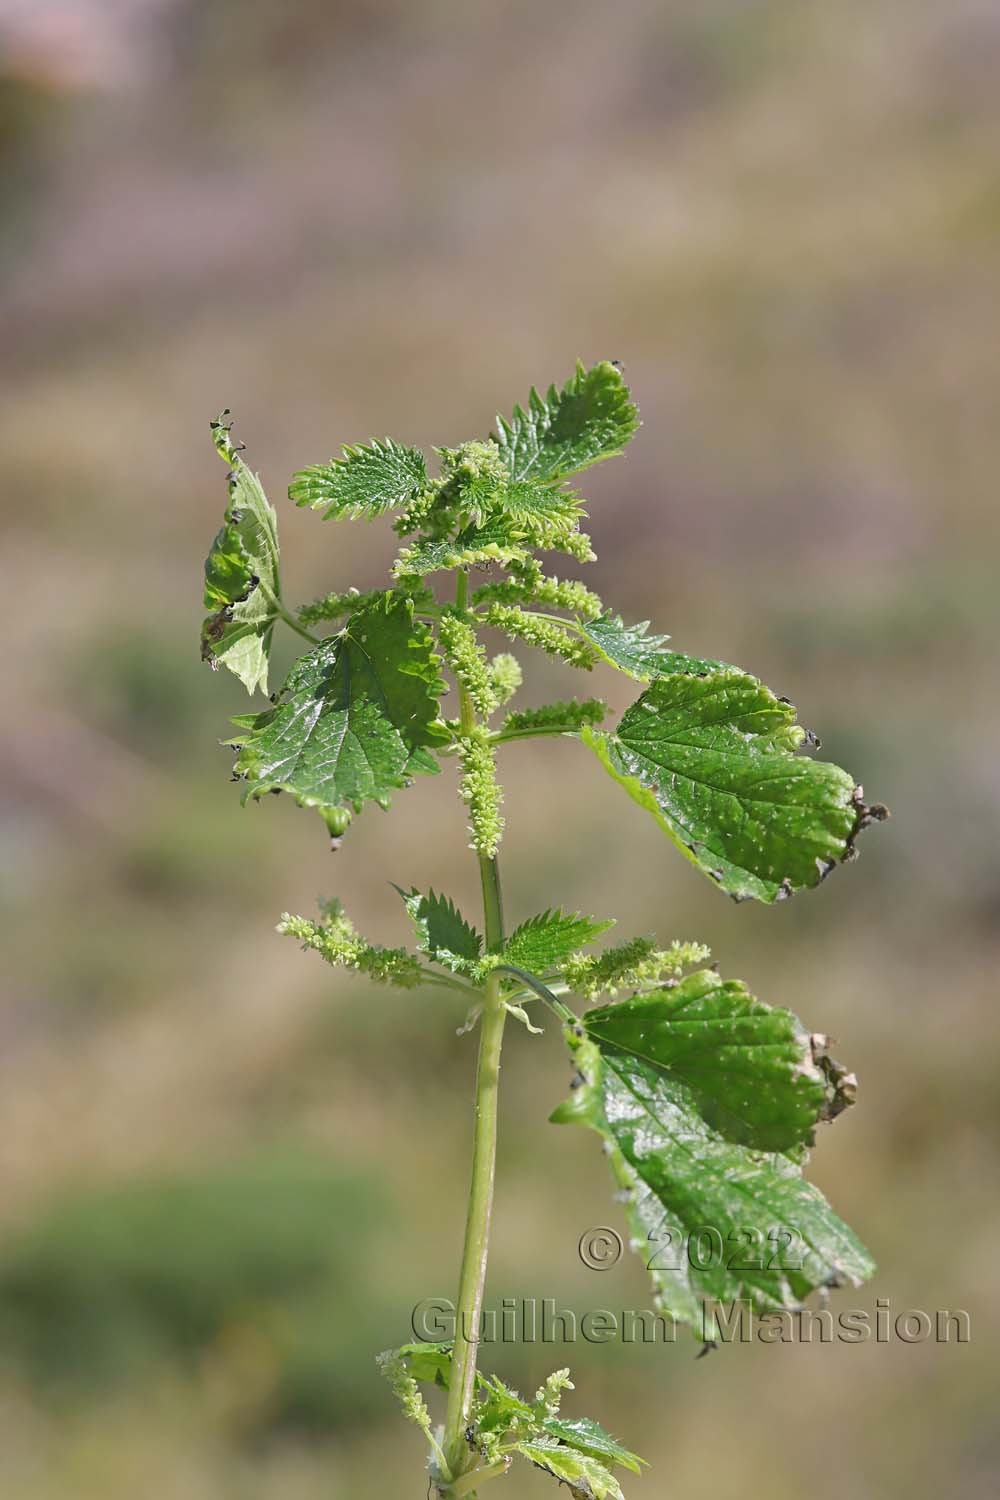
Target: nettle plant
(705, 1099)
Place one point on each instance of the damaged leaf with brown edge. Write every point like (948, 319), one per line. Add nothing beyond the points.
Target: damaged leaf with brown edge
(749, 1068)
(714, 757)
(242, 584)
(715, 1221)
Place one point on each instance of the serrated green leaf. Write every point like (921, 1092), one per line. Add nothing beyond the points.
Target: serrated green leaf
(586, 1477)
(713, 1220)
(590, 419)
(365, 483)
(545, 511)
(590, 1437)
(355, 718)
(632, 650)
(713, 759)
(549, 938)
(749, 1067)
(241, 575)
(442, 932)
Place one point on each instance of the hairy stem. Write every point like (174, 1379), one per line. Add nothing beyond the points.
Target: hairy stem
(472, 1281)
(477, 1231)
(286, 615)
(465, 1486)
(540, 990)
(508, 736)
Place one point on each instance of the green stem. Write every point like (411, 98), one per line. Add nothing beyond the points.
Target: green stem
(540, 989)
(445, 982)
(507, 737)
(472, 1280)
(478, 1477)
(567, 621)
(287, 616)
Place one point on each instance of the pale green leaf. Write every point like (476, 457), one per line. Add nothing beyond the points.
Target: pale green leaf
(543, 513)
(585, 1476)
(428, 1363)
(714, 760)
(366, 482)
(442, 932)
(749, 1067)
(712, 1219)
(241, 575)
(355, 718)
(590, 1437)
(497, 520)
(634, 651)
(499, 1410)
(591, 418)
(550, 937)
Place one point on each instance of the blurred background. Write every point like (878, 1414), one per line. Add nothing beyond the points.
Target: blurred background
(227, 1173)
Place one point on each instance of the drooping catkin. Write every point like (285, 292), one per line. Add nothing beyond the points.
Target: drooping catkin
(336, 940)
(544, 634)
(506, 676)
(481, 792)
(467, 659)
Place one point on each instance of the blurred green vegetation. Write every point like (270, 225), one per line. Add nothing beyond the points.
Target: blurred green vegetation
(228, 1174)
(258, 1271)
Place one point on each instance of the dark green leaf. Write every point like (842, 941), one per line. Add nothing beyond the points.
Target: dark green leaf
(355, 717)
(714, 1220)
(241, 575)
(364, 483)
(749, 1068)
(228, 569)
(590, 1437)
(549, 938)
(591, 418)
(442, 932)
(713, 759)
(632, 650)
